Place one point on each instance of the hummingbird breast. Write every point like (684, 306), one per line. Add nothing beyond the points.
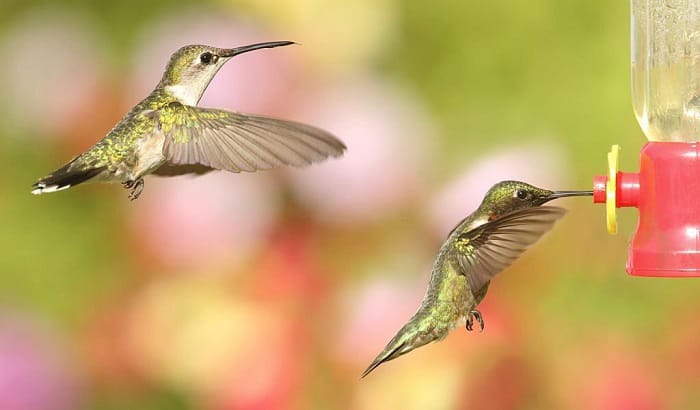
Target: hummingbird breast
(149, 154)
(448, 299)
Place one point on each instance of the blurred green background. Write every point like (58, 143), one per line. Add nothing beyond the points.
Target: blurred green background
(275, 290)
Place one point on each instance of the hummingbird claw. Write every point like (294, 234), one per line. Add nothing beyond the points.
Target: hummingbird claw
(136, 188)
(475, 314)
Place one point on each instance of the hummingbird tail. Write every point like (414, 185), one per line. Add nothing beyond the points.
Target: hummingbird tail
(64, 178)
(389, 353)
(407, 339)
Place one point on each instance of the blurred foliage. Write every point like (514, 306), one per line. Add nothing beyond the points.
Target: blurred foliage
(509, 71)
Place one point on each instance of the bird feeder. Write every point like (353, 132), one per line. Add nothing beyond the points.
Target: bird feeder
(666, 98)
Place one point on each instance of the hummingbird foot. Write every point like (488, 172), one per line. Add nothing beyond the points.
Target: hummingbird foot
(475, 314)
(136, 188)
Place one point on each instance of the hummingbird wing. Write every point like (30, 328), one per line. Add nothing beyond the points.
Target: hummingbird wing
(240, 142)
(487, 250)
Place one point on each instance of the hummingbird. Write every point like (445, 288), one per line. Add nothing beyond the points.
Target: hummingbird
(168, 134)
(509, 220)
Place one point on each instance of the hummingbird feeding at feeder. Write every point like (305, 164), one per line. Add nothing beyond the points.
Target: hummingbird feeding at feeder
(508, 221)
(167, 134)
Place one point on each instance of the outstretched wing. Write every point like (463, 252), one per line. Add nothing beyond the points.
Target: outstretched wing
(487, 250)
(240, 142)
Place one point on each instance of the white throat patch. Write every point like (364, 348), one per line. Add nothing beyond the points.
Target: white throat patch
(186, 95)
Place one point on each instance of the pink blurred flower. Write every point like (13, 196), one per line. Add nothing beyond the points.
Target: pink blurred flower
(540, 165)
(290, 267)
(611, 374)
(34, 372)
(389, 148)
(379, 312)
(623, 383)
(54, 69)
(270, 378)
(196, 222)
(372, 312)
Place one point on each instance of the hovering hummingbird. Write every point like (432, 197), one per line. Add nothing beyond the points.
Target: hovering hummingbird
(167, 134)
(483, 244)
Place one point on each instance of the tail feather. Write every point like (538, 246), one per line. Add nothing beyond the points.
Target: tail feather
(64, 178)
(384, 356)
(412, 335)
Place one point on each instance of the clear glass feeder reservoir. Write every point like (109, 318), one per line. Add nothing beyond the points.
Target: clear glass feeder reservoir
(666, 68)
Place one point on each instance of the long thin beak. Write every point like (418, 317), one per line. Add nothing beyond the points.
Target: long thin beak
(230, 52)
(563, 194)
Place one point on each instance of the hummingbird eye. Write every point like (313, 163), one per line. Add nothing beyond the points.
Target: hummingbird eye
(206, 57)
(521, 194)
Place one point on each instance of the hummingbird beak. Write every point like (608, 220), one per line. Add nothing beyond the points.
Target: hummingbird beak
(230, 52)
(563, 194)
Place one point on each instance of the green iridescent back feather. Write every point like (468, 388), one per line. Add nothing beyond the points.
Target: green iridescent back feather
(119, 145)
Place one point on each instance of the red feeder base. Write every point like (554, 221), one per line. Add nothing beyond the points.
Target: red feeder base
(667, 193)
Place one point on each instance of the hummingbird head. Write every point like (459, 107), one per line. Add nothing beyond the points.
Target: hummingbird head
(509, 196)
(191, 68)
